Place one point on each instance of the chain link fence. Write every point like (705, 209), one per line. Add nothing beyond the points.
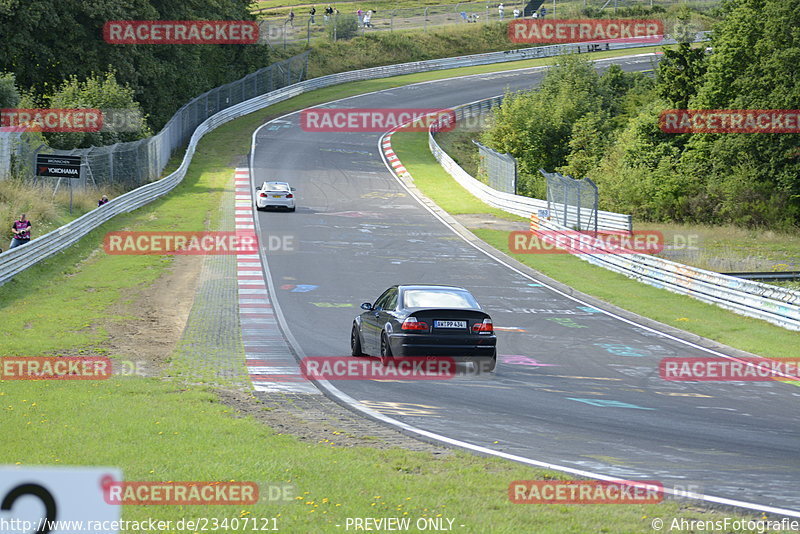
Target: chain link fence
(279, 29)
(17, 150)
(499, 170)
(572, 203)
(135, 163)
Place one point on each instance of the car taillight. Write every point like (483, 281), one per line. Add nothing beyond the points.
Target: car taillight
(290, 195)
(486, 327)
(412, 324)
(262, 195)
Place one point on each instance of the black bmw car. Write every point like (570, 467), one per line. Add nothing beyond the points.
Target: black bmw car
(425, 320)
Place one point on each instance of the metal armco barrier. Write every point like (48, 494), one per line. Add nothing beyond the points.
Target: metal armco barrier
(777, 305)
(516, 204)
(17, 260)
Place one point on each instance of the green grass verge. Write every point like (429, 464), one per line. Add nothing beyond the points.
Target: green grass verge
(157, 430)
(675, 310)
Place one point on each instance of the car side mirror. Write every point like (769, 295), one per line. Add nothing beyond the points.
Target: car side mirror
(366, 306)
(293, 189)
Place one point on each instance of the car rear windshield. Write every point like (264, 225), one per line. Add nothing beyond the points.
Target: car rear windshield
(272, 186)
(439, 298)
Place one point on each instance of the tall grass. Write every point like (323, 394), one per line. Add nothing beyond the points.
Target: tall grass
(45, 211)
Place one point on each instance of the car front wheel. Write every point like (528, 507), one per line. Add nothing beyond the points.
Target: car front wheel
(355, 342)
(386, 351)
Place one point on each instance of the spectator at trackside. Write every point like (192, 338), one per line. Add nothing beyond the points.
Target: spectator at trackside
(291, 18)
(21, 230)
(368, 19)
(360, 14)
(500, 10)
(102, 201)
(516, 12)
(328, 13)
(312, 13)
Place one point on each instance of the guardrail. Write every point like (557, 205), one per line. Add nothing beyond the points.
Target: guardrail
(516, 204)
(16, 260)
(777, 305)
(762, 276)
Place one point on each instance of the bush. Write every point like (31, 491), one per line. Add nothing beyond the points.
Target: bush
(343, 27)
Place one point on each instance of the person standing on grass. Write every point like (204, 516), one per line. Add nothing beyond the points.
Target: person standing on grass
(291, 18)
(328, 13)
(367, 19)
(516, 13)
(500, 10)
(360, 14)
(102, 201)
(312, 13)
(21, 230)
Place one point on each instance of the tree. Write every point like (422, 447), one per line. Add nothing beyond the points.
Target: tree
(123, 118)
(756, 51)
(588, 142)
(46, 42)
(535, 126)
(9, 94)
(680, 74)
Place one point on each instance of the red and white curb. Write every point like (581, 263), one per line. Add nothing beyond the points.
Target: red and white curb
(270, 363)
(392, 158)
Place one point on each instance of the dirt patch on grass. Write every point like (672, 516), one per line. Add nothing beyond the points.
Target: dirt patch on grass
(490, 222)
(156, 316)
(317, 419)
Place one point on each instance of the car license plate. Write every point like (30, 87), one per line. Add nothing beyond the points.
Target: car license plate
(277, 196)
(450, 324)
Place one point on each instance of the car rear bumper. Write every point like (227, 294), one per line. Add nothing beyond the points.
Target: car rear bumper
(275, 202)
(456, 347)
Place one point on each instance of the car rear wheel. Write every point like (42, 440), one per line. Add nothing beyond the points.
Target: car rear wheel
(355, 342)
(292, 208)
(386, 351)
(491, 364)
(485, 365)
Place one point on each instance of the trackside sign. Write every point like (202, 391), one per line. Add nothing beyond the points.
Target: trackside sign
(58, 166)
(57, 499)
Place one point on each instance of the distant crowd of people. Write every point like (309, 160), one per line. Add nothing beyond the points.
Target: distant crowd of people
(364, 17)
(517, 13)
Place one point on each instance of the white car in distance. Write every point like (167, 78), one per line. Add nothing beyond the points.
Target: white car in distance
(275, 195)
